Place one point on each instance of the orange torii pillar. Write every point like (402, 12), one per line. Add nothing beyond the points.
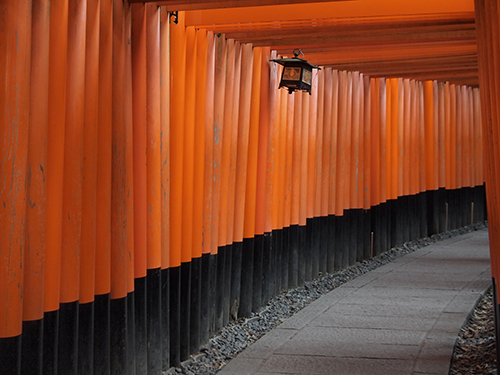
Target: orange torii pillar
(103, 194)
(36, 194)
(15, 49)
(487, 21)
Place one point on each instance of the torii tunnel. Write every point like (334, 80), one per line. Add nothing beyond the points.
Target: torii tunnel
(156, 184)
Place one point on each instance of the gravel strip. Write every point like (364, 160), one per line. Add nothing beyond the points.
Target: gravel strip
(475, 349)
(238, 335)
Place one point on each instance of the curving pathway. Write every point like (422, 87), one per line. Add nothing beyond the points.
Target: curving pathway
(402, 318)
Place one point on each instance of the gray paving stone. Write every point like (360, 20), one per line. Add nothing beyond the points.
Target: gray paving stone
(287, 364)
(349, 349)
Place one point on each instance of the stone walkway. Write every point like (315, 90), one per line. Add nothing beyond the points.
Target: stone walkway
(402, 318)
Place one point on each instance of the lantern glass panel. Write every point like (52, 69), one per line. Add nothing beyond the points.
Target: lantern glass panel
(307, 76)
(291, 73)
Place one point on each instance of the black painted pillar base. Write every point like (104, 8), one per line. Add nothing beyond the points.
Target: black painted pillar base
(154, 323)
(257, 273)
(140, 310)
(195, 304)
(234, 301)
(285, 257)
(331, 246)
(118, 336)
(165, 319)
(86, 338)
(175, 316)
(68, 338)
(301, 266)
(293, 249)
(185, 310)
(246, 288)
(32, 348)
(10, 355)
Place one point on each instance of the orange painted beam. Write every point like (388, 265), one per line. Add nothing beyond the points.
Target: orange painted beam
(339, 10)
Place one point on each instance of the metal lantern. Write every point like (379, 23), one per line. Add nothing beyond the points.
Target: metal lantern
(297, 73)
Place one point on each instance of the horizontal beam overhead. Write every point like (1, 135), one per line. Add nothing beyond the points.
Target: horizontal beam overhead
(414, 38)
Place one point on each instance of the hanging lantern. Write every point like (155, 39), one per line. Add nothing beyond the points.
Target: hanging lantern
(297, 73)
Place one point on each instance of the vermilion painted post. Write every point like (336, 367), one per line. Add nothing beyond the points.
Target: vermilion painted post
(453, 137)
(15, 48)
(227, 125)
(375, 142)
(243, 141)
(430, 159)
(199, 142)
(282, 162)
(367, 143)
(209, 146)
(139, 85)
(296, 162)
(251, 188)
(188, 149)
(218, 134)
(103, 193)
(304, 150)
(261, 221)
(89, 186)
(55, 153)
(34, 259)
(235, 103)
(320, 120)
(311, 148)
(333, 170)
(327, 203)
(177, 112)
(383, 140)
(165, 136)
(355, 125)
(342, 150)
